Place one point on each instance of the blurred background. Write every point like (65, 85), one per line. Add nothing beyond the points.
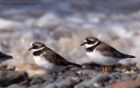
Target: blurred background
(63, 24)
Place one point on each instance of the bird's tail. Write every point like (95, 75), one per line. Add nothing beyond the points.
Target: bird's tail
(2, 55)
(129, 56)
(77, 65)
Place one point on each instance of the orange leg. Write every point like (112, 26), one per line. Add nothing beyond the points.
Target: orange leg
(105, 69)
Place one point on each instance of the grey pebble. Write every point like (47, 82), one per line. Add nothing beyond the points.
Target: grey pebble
(65, 80)
(16, 86)
(11, 77)
(37, 80)
(41, 79)
(62, 84)
(95, 81)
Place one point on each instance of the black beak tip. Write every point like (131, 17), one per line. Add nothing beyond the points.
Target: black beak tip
(82, 44)
(30, 49)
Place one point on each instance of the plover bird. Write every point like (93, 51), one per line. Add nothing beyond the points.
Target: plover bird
(102, 53)
(4, 57)
(47, 58)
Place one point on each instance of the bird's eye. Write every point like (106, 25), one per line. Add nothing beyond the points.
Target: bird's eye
(35, 46)
(89, 40)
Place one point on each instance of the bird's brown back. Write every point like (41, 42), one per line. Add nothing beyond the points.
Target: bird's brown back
(53, 57)
(110, 51)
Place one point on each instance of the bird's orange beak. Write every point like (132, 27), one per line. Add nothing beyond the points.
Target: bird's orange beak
(30, 48)
(83, 43)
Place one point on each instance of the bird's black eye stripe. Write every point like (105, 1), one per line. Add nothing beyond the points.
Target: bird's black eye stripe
(90, 42)
(35, 47)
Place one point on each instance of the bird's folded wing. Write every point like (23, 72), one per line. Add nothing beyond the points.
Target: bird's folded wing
(55, 58)
(110, 51)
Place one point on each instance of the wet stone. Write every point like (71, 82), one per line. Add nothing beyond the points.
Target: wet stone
(65, 83)
(37, 80)
(64, 80)
(116, 76)
(42, 79)
(128, 76)
(16, 86)
(125, 84)
(11, 77)
(95, 81)
(138, 77)
(67, 74)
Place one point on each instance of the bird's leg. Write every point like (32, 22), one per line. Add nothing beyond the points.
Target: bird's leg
(106, 69)
(103, 70)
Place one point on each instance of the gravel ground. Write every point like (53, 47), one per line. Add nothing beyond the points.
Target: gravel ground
(80, 78)
(62, 25)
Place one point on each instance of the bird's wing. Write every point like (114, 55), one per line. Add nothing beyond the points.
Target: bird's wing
(112, 51)
(55, 58)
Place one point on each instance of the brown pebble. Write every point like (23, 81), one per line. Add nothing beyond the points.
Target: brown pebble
(126, 84)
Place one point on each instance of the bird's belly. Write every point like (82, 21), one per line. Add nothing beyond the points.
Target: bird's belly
(41, 61)
(96, 57)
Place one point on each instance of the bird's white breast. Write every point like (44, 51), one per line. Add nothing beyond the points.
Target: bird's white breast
(41, 61)
(98, 58)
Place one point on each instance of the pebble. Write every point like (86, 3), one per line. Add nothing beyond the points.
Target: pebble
(42, 79)
(67, 74)
(65, 80)
(16, 86)
(126, 84)
(65, 83)
(37, 80)
(68, 79)
(11, 77)
(95, 81)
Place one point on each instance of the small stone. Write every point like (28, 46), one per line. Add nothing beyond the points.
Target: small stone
(128, 76)
(37, 80)
(42, 79)
(101, 80)
(65, 80)
(67, 74)
(138, 77)
(138, 66)
(51, 85)
(32, 70)
(116, 75)
(16, 86)
(11, 77)
(126, 84)
(87, 72)
(85, 84)
(68, 82)
(95, 81)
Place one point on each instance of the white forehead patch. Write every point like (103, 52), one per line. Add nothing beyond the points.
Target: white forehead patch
(85, 40)
(90, 45)
(38, 49)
